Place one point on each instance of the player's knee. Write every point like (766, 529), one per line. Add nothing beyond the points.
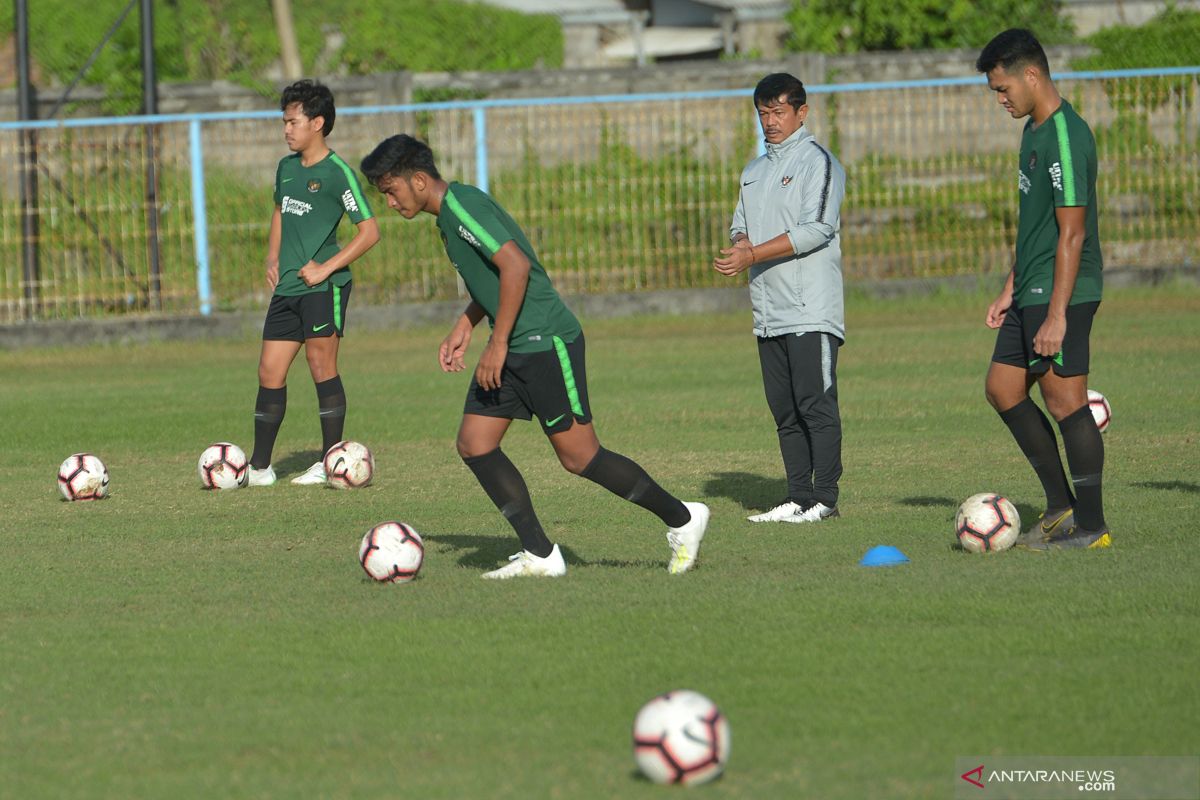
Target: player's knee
(1060, 408)
(993, 399)
(322, 366)
(468, 449)
(270, 377)
(572, 463)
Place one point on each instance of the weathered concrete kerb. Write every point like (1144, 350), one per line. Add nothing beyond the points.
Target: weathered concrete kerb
(678, 302)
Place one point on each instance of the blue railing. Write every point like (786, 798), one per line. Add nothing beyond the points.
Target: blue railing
(479, 110)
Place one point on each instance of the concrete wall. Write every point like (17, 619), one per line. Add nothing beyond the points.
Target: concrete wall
(404, 87)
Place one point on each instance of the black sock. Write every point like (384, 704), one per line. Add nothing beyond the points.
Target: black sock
(331, 402)
(625, 478)
(1035, 437)
(502, 481)
(1085, 454)
(268, 416)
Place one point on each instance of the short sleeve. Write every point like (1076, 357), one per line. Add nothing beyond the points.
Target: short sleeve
(278, 193)
(1069, 172)
(478, 224)
(353, 200)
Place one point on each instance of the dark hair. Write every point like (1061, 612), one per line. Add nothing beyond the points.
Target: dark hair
(314, 98)
(400, 155)
(1013, 49)
(777, 84)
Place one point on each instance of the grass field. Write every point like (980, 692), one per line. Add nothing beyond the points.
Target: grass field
(169, 642)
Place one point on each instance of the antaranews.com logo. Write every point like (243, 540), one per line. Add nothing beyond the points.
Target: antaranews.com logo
(1054, 777)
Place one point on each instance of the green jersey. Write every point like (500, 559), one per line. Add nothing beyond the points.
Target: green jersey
(1057, 169)
(312, 201)
(473, 228)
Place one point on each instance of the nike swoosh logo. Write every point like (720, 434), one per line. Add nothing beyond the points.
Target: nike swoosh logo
(317, 328)
(550, 423)
(747, 183)
(285, 180)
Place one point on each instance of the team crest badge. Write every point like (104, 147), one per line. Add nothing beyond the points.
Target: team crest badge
(1033, 160)
(786, 180)
(314, 185)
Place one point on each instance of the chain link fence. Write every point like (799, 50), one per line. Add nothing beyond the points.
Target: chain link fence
(616, 195)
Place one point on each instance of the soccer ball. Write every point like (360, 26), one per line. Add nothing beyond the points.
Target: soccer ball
(681, 737)
(83, 477)
(1101, 410)
(392, 552)
(349, 465)
(223, 466)
(987, 523)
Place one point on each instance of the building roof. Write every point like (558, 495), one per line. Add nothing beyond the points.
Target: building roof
(751, 9)
(659, 41)
(612, 11)
(596, 11)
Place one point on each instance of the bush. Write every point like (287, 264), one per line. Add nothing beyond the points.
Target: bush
(199, 40)
(835, 26)
(1171, 39)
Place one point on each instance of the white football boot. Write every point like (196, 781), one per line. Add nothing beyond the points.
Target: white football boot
(261, 477)
(526, 565)
(685, 540)
(784, 511)
(815, 513)
(312, 476)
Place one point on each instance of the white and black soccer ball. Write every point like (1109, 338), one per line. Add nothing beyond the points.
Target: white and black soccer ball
(392, 552)
(349, 465)
(83, 477)
(987, 523)
(223, 466)
(681, 737)
(1101, 410)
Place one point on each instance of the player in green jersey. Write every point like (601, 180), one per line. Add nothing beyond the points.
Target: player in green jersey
(533, 364)
(1044, 313)
(308, 273)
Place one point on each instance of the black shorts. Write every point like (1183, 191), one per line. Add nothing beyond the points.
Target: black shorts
(308, 316)
(1014, 340)
(551, 384)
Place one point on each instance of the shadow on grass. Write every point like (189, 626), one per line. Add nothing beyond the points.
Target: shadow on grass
(296, 463)
(1170, 486)
(927, 502)
(752, 492)
(489, 552)
(1028, 513)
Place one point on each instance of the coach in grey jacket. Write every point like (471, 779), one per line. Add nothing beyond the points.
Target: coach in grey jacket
(786, 232)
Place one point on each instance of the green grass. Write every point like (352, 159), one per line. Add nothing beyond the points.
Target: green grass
(169, 642)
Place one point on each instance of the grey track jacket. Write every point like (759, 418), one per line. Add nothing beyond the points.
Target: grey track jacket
(796, 188)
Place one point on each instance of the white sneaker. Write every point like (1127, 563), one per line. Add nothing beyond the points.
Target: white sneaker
(816, 513)
(779, 513)
(312, 476)
(261, 477)
(526, 565)
(685, 540)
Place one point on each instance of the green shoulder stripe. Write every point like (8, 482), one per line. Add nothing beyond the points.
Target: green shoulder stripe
(1064, 160)
(352, 182)
(475, 229)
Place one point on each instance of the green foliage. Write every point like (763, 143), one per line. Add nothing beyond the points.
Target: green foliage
(232, 40)
(618, 219)
(834, 26)
(1171, 39)
(421, 36)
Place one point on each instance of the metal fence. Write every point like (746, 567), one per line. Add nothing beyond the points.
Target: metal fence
(616, 193)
